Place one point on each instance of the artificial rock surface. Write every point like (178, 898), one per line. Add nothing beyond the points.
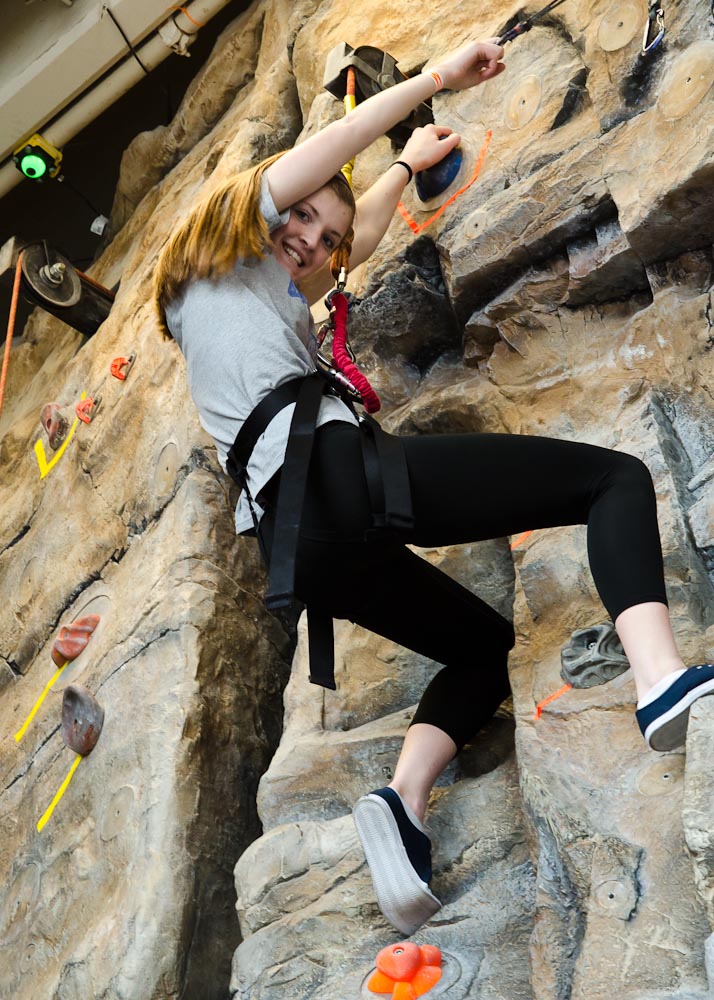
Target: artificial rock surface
(568, 292)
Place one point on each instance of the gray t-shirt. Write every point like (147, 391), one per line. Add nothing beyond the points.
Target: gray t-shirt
(242, 335)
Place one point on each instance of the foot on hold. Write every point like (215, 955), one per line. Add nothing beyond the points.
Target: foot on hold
(398, 853)
(663, 714)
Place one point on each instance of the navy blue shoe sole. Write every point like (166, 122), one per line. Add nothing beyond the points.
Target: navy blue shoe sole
(664, 722)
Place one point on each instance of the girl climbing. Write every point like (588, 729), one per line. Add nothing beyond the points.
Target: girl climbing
(334, 500)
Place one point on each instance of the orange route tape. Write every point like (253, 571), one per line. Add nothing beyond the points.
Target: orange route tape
(551, 697)
(62, 789)
(48, 687)
(417, 228)
(520, 539)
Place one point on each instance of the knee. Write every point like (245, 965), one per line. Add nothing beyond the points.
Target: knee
(629, 472)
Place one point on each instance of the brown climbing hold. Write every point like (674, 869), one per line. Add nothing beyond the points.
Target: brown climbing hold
(55, 423)
(73, 639)
(82, 719)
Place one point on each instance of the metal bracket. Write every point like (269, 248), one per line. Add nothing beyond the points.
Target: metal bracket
(375, 70)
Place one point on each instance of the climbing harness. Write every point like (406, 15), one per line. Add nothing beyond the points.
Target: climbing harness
(527, 23)
(654, 29)
(387, 481)
(120, 367)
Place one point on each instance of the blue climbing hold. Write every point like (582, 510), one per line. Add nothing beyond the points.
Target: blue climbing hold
(435, 180)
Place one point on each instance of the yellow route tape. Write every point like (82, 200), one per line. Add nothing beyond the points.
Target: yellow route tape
(63, 788)
(44, 465)
(21, 732)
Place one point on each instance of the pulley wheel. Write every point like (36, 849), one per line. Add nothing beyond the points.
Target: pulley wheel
(383, 67)
(65, 290)
(619, 26)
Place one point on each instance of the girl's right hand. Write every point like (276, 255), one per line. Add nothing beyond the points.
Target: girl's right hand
(470, 65)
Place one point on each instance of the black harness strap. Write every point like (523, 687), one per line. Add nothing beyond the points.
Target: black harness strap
(291, 494)
(385, 468)
(255, 424)
(387, 481)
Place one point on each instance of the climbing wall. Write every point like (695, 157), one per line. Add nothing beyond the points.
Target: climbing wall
(567, 292)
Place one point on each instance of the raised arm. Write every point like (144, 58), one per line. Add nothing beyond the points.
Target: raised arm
(376, 207)
(308, 166)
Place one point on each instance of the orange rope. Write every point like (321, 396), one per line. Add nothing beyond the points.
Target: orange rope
(191, 19)
(551, 697)
(11, 326)
(417, 228)
(96, 284)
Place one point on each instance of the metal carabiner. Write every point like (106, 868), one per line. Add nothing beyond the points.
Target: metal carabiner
(655, 16)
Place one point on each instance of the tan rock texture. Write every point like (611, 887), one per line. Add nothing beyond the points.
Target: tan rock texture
(568, 292)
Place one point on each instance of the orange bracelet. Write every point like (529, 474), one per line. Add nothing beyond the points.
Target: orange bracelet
(436, 77)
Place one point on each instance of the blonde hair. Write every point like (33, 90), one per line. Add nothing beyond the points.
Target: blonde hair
(225, 226)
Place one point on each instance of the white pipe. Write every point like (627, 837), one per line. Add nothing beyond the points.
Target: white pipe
(103, 94)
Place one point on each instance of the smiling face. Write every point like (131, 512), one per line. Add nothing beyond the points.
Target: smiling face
(315, 227)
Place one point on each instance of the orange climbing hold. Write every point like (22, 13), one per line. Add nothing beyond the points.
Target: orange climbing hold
(120, 367)
(406, 971)
(72, 639)
(87, 408)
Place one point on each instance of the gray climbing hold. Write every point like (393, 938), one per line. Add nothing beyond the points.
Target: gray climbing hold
(593, 656)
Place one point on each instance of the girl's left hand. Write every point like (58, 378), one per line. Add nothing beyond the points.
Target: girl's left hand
(426, 147)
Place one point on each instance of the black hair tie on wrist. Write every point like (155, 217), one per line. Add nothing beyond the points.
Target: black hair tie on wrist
(406, 166)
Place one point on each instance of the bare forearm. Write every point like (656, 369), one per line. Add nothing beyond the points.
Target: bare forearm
(375, 210)
(308, 166)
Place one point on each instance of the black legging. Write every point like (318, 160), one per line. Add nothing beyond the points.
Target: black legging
(466, 488)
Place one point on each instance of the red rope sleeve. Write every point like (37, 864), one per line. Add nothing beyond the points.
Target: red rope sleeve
(342, 360)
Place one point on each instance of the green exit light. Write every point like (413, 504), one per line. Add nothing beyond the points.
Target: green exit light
(37, 158)
(33, 166)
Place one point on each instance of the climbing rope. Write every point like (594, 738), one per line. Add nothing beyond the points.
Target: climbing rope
(10, 326)
(337, 302)
(341, 357)
(527, 23)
